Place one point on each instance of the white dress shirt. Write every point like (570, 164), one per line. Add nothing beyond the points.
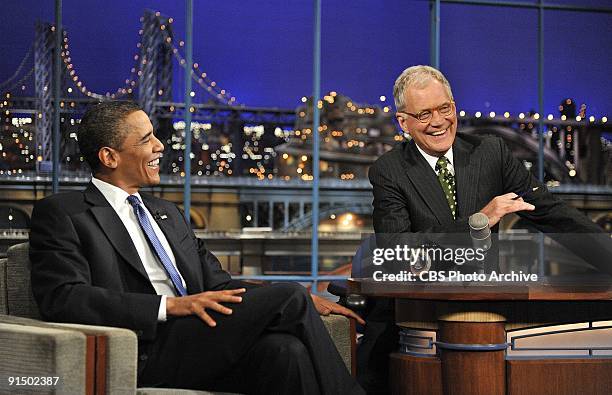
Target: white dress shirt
(432, 160)
(160, 280)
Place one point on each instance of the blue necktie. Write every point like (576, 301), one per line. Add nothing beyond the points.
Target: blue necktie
(145, 224)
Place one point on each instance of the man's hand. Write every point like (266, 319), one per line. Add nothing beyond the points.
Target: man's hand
(198, 303)
(326, 307)
(504, 204)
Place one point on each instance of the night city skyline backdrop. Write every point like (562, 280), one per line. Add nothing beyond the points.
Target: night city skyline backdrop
(261, 51)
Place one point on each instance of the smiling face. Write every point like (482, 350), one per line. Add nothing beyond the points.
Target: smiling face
(136, 163)
(436, 136)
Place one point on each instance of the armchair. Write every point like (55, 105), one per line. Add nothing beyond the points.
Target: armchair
(87, 359)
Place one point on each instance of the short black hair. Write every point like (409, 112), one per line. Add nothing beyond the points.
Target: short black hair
(103, 126)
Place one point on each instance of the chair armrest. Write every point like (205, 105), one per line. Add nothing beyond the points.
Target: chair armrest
(176, 391)
(352, 301)
(120, 348)
(19, 297)
(3, 306)
(29, 351)
(342, 331)
(117, 346)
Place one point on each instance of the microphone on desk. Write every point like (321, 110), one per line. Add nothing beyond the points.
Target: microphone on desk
(480, 232)
(421, 265)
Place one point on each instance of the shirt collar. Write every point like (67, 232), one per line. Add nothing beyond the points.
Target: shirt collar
(115, 196)
(433, 159)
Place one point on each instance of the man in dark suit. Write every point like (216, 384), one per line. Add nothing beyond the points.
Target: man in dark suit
(434, 182)
(110, 255)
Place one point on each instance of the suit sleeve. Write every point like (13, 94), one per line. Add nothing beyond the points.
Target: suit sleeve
(565, 224)
(551, 214)
(62, 284)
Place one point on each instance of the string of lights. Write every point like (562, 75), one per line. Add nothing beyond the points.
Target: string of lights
(368, 109)
(531, 117)
(222, 93)
(209, 87)
(130, 82)
(198, 75)
(203, 81)
(351, 105)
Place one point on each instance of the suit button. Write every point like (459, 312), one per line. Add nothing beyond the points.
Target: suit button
(143, 357)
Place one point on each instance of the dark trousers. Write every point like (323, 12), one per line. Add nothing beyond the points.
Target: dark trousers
(274, 342)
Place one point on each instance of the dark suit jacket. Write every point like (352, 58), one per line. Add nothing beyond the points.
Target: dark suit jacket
(85, 267)
(408, 196)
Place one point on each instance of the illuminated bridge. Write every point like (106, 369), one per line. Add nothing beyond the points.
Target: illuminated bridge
(251, 167)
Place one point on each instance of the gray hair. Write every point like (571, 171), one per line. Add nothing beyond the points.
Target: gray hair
(418, 76)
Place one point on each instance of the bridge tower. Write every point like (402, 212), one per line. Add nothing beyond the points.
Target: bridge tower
(155, 77)
(154, 70)
(43, 75)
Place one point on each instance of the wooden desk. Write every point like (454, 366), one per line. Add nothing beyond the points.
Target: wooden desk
(475, 339)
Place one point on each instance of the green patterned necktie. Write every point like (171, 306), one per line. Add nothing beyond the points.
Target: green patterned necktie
(447, 180)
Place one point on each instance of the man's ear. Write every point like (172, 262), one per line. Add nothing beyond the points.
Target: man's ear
(108, 157)
(402, 122)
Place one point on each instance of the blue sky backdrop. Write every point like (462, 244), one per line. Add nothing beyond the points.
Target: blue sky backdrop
(261, 51)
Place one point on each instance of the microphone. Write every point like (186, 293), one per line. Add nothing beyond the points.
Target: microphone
(480, 231)
(421, 265)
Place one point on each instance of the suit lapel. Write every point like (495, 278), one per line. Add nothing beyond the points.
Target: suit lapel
(426, 183)
(172, 235)
(466, 176)
(114, 229)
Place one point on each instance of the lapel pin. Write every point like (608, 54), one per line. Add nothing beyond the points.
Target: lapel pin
(159, 216)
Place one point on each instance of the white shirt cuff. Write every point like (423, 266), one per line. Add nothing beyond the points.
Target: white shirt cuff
(161, 314)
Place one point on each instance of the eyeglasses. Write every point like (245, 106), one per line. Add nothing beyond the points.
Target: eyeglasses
(425, 116)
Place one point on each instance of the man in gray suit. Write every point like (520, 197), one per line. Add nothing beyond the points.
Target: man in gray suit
(434, 182)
